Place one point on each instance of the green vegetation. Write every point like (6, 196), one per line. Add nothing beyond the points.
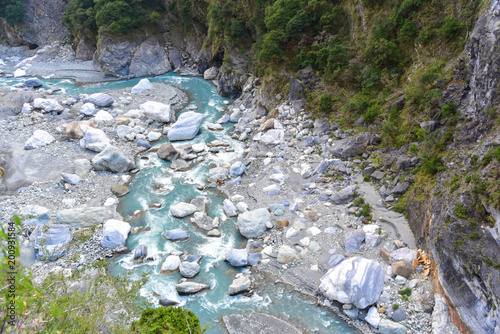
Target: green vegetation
(171, 320)
(365, 209)
(395, 306)
(405, 292)
(12, 11)
(461, 211)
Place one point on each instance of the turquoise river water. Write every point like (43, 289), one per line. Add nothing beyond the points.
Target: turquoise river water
(157, 183)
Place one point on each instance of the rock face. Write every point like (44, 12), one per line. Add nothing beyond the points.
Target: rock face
(149, 59)
(38, 139)
(112, 159)
(114, 233)
(186, 127)
(84, 217)
(51, 242)
(441, 322)
(355, 281)
(252, 323)
(158, 111)
(253, 223)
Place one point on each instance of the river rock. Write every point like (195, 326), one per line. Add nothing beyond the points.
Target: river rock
(237, 169)
(404, 253)
(391, 327)
(82, 167)
(344, 195)
(427, 302)
(211, 73)
(170, 264)
(256, 322)
(373, 317)
(218, 173)
(100, 99)
(215, 233)
(168, 152)
(84, 217)
(33, 82)
(154, 136)
(287, 254)
(399, 315)
(353, 240)
(93, 139)
(47, 105)
(38, 139)
(73, 129)
(72, 179)
(143, 85)
(201, 220)
(177, 234)
(112, 159)
(237, 257)
(230, 209)
(355, 281)
(181, 165)
(241, 283)
(34, 215)
(168, 302)
(102, 116)
(88, 109)
(402, 268)
(158, 111)
(140, 253)
(272, 190)
(186, 127)
(189, 288)
(189, 269)
(252, 224)
(51, 241)
(119, 190)
(273, 137)
(114, 233)
(181, 210)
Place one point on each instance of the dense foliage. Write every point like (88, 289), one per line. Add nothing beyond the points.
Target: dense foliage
(12, 11)
(171, 320)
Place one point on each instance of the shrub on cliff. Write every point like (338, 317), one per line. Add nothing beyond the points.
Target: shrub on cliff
(12, 11)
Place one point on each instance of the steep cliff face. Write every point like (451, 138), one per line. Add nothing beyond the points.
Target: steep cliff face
(458, 217)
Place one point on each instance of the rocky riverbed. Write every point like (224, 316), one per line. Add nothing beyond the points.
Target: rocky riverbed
(69, 158)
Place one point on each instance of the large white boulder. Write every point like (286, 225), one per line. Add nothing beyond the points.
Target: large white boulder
(252, 224)
(181, 210)
(157, 111)
(38, 139)
(47, 105)
(93, 139)
(114, 233)
(143, 85)
(355, 281)
(186, 127)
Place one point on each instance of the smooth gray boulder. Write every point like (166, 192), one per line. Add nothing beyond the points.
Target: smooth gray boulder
(47, 105)
(189, 269)
(101, 100)
(114, 233)
(112, 159)
(177, 234)
(168, 152)
(51, 241)
(252, 224)
(84, 217)
(257, 323)
(182, 209)
(355, 281)
(33, 82)
(189, 288)
(211, 73)
(344, 195)
(355, 145)
(230, 209)
(186, 127)
(72, 179)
